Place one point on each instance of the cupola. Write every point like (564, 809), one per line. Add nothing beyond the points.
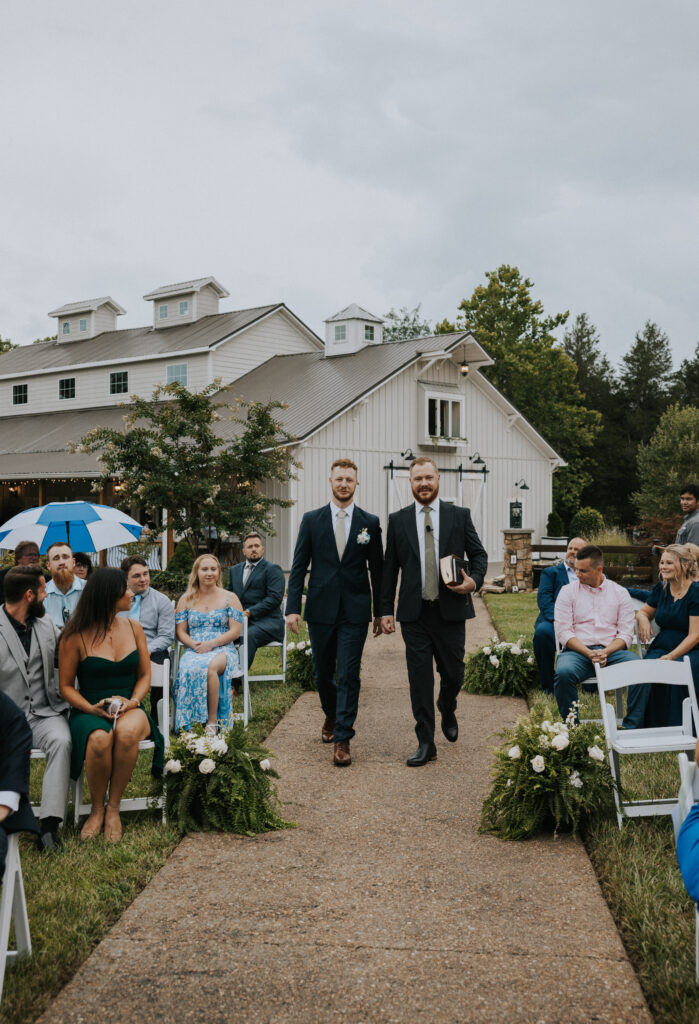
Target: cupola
(80, 320)
(185, 302)
(350, 330)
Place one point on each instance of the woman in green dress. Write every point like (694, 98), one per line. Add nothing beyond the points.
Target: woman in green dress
(108, 658)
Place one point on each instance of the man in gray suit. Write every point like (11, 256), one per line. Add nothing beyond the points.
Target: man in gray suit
(27, 676)
(151, 608)
(260, 586)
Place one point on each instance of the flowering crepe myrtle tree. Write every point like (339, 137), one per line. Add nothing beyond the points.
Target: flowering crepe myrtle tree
(170, 456)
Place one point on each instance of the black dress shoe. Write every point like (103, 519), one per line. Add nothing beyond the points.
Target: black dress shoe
(450, 727)
(424, 753)
(49, 842)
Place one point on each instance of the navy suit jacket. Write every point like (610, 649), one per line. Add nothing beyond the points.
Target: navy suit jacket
(262, 594)
(550, 583)
(15, 748)
(336, 585)
(457, 536)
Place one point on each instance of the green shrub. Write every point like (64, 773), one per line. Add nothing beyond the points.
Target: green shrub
(172, 584)
(554, 525)
(183, 558)
(548, 776)
(299, 664)
(503, 668)
(586, 522)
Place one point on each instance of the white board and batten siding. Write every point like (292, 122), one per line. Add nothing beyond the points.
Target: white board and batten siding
(386, 423)
(273, 336)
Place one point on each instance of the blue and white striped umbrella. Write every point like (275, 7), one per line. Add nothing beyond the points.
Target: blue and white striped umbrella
(86, 527)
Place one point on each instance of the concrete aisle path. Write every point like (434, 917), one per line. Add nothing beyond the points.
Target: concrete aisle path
(385, 905)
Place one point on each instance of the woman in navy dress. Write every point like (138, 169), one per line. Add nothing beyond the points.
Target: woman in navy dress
(674, 604)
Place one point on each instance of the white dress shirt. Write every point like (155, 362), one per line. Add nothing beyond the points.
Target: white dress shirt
(348, 517)
(420, 521)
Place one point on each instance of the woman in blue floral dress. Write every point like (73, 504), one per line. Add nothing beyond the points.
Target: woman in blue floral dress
(208, 619)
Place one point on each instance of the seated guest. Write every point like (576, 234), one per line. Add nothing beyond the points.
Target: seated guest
(593, 619)
(552, 579)
(259, 585)
(209, 619)
(83, 565)
(674, 604)
(26, 553)
(151, 608)
(689, 502)
(688, 847)
(27, 676)
(15, 749)
(64, 588)
(108, 656)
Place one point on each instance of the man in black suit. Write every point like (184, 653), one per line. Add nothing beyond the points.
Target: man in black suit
(15, 748)
(431, 614)
(260, 586)
(342, 544)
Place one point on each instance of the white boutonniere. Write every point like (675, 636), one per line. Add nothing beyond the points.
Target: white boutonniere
(363, 537)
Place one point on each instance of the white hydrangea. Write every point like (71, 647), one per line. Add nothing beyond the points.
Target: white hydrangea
(544, 741)
(217, 745)
(575, 780)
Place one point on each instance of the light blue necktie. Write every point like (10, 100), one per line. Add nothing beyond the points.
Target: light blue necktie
(135, 612)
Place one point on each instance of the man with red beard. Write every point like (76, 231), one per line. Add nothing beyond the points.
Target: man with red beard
(64, 588)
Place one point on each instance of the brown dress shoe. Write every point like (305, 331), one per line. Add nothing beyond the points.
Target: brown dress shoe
(326, 733)
(341, 756)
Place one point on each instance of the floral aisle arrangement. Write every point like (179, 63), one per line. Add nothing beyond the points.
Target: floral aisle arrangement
(501, 668)
(548, 775)
(221, 783)
(299, 664)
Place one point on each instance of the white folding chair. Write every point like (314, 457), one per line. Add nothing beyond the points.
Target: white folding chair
(278, 676)
(161, 675)
(243, 674)
(686, 798)
(13, 909)
(670, 738)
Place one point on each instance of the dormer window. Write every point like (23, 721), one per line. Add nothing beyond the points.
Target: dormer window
(83, 326)
(184, 308)
(162, 312)
(340, 332)
(66, 327)
(368, 332)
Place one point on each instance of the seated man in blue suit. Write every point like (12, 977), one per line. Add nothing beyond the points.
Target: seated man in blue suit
(552, 579)
(15, 748)
(260, 586)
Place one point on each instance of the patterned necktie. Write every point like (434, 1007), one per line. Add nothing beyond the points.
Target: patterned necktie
(340, 532)
(431, 581)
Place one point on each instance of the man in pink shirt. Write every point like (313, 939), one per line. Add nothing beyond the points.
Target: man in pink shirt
(593, 619)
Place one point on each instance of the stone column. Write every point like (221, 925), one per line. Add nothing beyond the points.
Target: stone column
(518, 543)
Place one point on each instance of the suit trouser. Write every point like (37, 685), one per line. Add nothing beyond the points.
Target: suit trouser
(545, 654)
(258, 636)
(433, 638)
(337, 651)
(52, 735)
(572, 668)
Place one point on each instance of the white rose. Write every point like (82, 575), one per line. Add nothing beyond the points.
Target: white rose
(301, 645)
(487, 651)
(207, 766)
(514, 752)
(172, 767)
(265, 765)
(546, 725)
(291, 646)
(595, 753)
(308, 652)
(494, 661)
(560, 741)
(538, 763)
(516, 651)
(575, 780)
(530, 660)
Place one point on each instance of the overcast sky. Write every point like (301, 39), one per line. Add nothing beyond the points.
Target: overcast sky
(386, 153)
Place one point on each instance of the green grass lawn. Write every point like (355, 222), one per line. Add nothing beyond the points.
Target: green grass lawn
(73, 899)
(636, 866)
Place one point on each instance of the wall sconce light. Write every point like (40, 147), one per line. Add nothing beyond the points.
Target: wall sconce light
(408, 455)
(464, 367)
(117, 488)
(476, 459)
(522, 484)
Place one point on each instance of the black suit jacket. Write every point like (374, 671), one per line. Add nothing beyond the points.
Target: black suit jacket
(336, 584)
(262, 594)
(457, 536)
(15, 748)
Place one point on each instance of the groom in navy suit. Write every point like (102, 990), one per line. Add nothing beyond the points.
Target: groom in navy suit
(552, 579)
(342, 544)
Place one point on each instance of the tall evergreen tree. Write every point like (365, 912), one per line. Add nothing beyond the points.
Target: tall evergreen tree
(685, 387)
